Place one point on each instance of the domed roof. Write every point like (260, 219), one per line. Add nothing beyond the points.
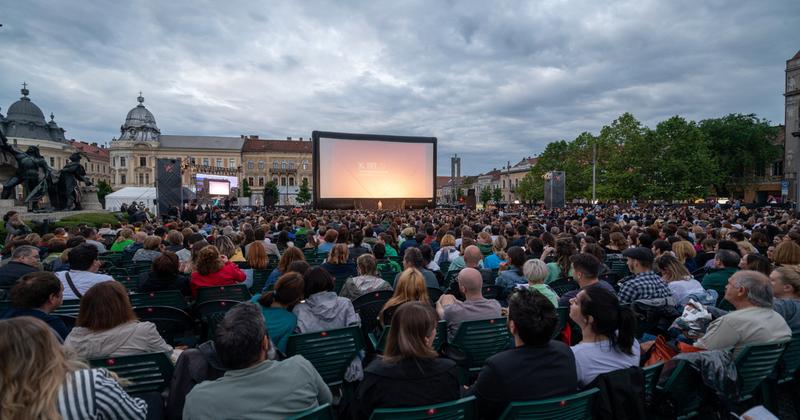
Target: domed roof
(140, 124)
(24, 110)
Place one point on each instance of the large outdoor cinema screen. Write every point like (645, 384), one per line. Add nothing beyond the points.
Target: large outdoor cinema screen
(373, 171)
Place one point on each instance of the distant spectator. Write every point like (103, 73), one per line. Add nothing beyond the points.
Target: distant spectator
(410, 286)
(152, 248)
(24, 260)
(367, 280)
(536, 272)
(322, 309)
(165, 275)
(277, 305)
(124, 239)
(213, 269)
(83, 273)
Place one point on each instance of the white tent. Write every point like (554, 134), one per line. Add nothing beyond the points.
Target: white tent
(127, 195)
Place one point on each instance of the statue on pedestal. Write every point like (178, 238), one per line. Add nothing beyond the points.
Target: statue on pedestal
(67, 194)
(32, 172)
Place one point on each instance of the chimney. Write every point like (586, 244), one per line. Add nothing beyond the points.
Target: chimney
(94, 144)
(289, 138)
(253, 137)
(301, 139)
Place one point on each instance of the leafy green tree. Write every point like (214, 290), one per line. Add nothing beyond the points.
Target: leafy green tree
(245, 188)
(304, 194)
(271, 193)
(486, 195)
(525, 189)
(497, 195)
(742, 146)
(103, 189)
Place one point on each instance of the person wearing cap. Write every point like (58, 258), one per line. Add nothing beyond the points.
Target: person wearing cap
(644, 283)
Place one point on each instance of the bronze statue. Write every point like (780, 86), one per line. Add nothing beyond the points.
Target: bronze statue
(66, 195)
(32, 172)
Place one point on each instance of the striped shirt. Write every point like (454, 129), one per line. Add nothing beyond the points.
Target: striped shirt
(94, 394)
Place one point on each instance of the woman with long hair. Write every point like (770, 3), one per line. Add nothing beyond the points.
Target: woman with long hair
(277, 305)
(107, 326)
(291, 255)
(756, 262)
(410, 287)
(685, 252)
(367, 280)
(40, 379)
(164, 275)
(214, 269)
(410, 373)
(338, 263)
(561, 267)
(608, 331)
(498, 255)
(124, 238)
(680, 281)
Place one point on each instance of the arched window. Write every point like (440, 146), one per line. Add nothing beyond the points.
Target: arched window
(291, 181)
(305, 180)
(283, 181)
(261, 181)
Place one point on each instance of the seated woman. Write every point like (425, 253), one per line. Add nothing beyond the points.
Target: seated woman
(410, 287)
(52, 383)
(498, 255)
(410, 373)
(257, 259)
(536, 271)
(367, 280)
(756, 262)
(107, 326)
(608, 332)
(786, 289)
(322, 309)
(227, 248)
(150, 250)
(680, 281)
(560, 267)
(165, 276)
(513, 276)
(383, 264)
(124, 239)
(447, 251)
(337, 263)
(213, 269)
(55, 247)
(684, 251)
(188, 266)
(277, 305)
(289, 256)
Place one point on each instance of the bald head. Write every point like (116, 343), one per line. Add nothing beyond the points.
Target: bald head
(139, 237)
(470, 280)
(472, 256)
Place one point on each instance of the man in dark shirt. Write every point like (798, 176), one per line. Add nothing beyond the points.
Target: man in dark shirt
(24, 260)
(37, 294)
(585, 268)
(536, 368)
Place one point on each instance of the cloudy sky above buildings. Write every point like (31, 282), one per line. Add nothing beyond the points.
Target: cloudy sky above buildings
(493, 80)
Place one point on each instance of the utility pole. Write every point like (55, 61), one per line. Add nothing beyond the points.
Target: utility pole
(594, 172)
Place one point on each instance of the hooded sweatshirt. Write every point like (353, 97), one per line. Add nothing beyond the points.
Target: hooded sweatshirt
(325, 311)
(125, 339)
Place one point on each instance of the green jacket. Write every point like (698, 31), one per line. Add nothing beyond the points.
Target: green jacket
(717, 280)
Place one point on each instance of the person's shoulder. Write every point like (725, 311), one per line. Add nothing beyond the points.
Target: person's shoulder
(299, 363)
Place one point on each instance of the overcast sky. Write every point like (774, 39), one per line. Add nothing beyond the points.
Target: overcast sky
(493, 80)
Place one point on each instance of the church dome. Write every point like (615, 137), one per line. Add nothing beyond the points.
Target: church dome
(25, 111)
(140, 124)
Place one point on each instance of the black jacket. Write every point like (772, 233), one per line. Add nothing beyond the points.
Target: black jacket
(53, 321)
(11, 272)
(621, 395)
(193, 366)
(152, 282)
(407, 383)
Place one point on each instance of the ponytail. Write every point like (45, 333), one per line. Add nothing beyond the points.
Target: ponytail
(267, 299)
(626, 330)
(617, 323)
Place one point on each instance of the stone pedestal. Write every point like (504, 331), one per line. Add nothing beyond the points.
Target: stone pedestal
(89, 200)
(11, 205)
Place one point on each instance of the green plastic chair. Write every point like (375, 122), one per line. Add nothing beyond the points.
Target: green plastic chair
(259, 280)
(145, 372)
(329, 351)
(4, 304)
(68, 307)
(571, 407)
(131, 282)
(651, 374)
(170, 322)
(450, 277)
(563, 286)
(682, 393)
(323, 412)
(368, 306)
(172, 298)
(338, 283)
(237, 292)
(790, 361)
(754, 364)
(478, 340)
(459, 409)
(563, 317)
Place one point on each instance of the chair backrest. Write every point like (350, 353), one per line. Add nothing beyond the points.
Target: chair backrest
(231, 292)
(576, 406)
(434, 293)
(651, 374)
(211, 314)
(449, 277)
(170, 322)
(68, 320)
(790, 361)
(4, 304)
(563, 286)
(368, 306)
(139, 267)
(172, 298)
(563, 318)
(682, 393)
(329, 351)
(459, 409)
(389, 275)
(243, 265)
(754, 363)
(145, 372)
(481, 339)
(339, 281)
(131, 282)
(323, 412)
(490, 292)
(68, 307)
(259, 280)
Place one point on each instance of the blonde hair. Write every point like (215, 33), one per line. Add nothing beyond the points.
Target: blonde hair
(448, 240)
(339, 254)
(124, 235)
(790, 274)
(33, 368)
(786, 253)
(535, 271)
(747, 246)
(410, 286)
(683, 250)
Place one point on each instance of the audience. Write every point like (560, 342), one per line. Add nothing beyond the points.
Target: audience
(83, 273)
(24, 260)
(585, 268)
(37, 295)
(289, 256)
(338, 263)
(107, 326)
(726, 263)
(277, 305)
(409, 287)
(367, 280)
(536, 272)
(474, 306)
(124, 239)
(253, 386)
(513, 276)
(644, 284)
(165, 275)
(786, 291)
(213, 269)
(678, 278)
(412, 258)
(322, 309)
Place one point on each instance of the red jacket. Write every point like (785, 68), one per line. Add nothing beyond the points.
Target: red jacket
(229, 274)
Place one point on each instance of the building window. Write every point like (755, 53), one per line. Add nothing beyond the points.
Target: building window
(305, 180)
(205, 162)
(219, 162)
(147, 179)
(122, 179)
(193, 161)
(250, 164)
(777, 168)
(115, 161)
(250, 181)
(142, 161)
(275, 180)
(291, 164)
(283, 181)
(283, 165)
(261, 181)
(141, 179)
(291, 181)
(275, 164)
(52, 161)
(122, 162)
(305, 165)
(504, 184)
(232, 163)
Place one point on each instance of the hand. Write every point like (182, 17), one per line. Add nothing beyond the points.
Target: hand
(224, 258)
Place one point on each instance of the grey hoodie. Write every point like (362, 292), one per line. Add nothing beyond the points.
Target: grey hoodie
(325, 311)
(129, 338)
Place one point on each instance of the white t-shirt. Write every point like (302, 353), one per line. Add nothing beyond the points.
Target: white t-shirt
(592, 359)
(82, 280)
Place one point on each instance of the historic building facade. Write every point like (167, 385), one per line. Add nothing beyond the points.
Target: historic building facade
(792, 125)
(286, 162)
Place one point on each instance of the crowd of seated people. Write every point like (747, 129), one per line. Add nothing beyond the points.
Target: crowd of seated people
(740, 264)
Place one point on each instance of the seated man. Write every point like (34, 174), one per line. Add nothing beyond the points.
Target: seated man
(475, 306)
(253, 386)
(82, 274)
(24, 260)
(726, 262)
(537, 368)
(413, 259)
(37, 294)
(644, 284)
(753, 322)
(585, 268)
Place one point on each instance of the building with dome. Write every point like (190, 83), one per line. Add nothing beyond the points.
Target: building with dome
(133, 156)
(24, 125)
